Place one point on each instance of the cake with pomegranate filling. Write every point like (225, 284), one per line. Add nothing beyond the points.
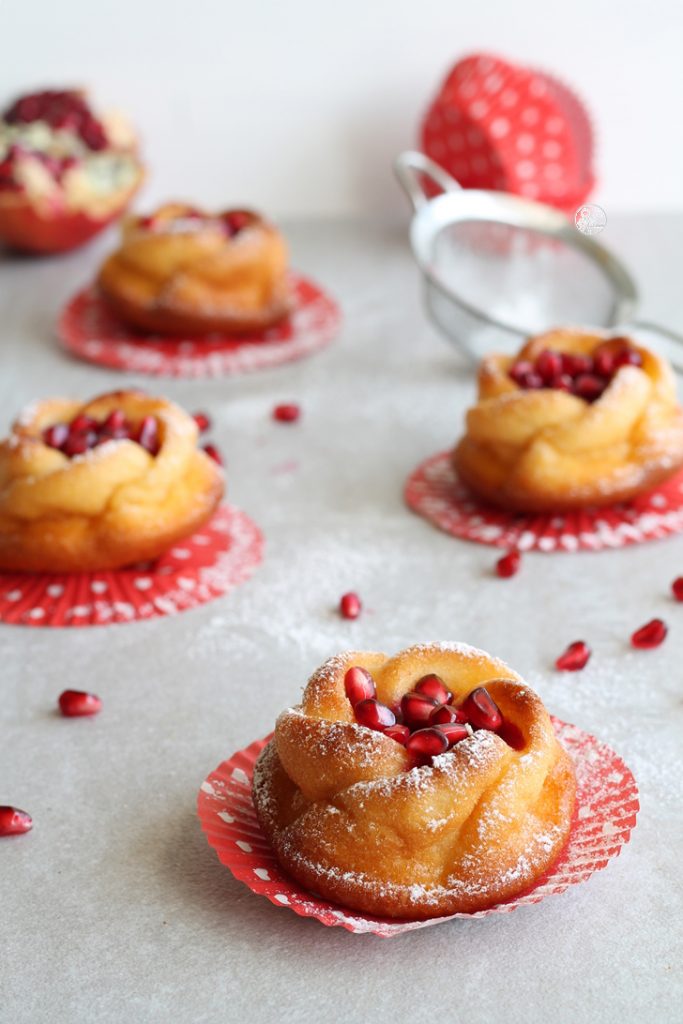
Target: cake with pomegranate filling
(102, 484)
(181, 270)
(65, 171)
(575, 419)
(415, 786)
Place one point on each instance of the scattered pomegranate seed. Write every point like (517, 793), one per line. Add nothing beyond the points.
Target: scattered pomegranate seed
(14, 822)
(374, 715)
(481, 710)
(147, 435)
(455, 732)
(509, 564)
(359, 685)
(574, 658)
(427, 743)
(417, 708)
(56, 435)
(350, 606)
(677, 588)
(652, 634)
(213, 453)
(202, 420)
(433, 686)
(288, 412)
(445, 714)
(75, 703)
(549, 365)
(397, 732)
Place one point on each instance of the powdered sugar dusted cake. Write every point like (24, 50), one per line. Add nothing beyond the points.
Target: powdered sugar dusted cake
(414, 786)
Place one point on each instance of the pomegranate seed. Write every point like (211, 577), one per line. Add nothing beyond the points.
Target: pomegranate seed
(374, 715)
(213, 453)
(433, 686)
(350, 606)
(78, 443)
(116, 420)
(288, 412)
(589, 387)
(427, 743)
(447, 715)
(81, 424)
(417, 708)
(513, 736)
(563, 382)
(518, 371)
(14, 822)
(454, 732)
(400, 733)
(56, 435)
(359, 685)
(509, 564)
(74, 703)
(677, 588)
(629, 357)
(605, 363)
(147, 435)
(481, 710)
(548, 365)
(235, 221)
(576, 364)
(652, 634)
(574, 658)
(202, 420)
(532, 381)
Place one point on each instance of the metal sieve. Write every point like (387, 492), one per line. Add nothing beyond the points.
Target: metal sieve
(498, 268)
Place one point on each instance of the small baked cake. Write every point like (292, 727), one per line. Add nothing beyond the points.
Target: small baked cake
(65, 171)
(183, 271)
(101, 484)
(574, 419)
(415, 786)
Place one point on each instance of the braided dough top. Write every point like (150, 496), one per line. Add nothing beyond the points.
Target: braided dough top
(547, 449)
(350, 816)
(114, 494)
(186, 268)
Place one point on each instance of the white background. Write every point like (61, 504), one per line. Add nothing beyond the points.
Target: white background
(299, 106)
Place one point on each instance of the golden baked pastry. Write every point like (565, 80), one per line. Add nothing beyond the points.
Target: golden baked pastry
(465, 804)
(181, 271)
(575, 419)
(101, 485)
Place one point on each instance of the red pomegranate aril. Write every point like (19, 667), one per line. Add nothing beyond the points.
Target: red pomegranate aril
(548, 365)
(518, 371)
(677, 588)
(397, 732)
(350, 606)
(235, 221)
(629, 357)
(433, 686)
(575, 365)
(652, 634)
(446, 714)
(116, 420)
(287, 412)
(147, 435)
(589, 387)
(75, 703)
(359, 685)
(427, 743)
(417, 708)
(56, 435)
(605, 363)
(574, 658)
(481, 710)
(374, 715)
(213, 453)
(455, 732)
(532, 381)
(79, 443)
(80, 424)
(563, 382)
(202, 420)
(509, 564)
(14, 822)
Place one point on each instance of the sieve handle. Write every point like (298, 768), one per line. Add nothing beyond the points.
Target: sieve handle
(411, 168)
(666, 332)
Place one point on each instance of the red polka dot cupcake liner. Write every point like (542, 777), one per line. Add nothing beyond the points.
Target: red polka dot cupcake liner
(204, 566)
(90, 330)
(494, 125)
(607, 805)
(435, 492)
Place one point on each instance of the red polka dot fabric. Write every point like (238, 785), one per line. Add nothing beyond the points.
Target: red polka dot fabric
(497, 126)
